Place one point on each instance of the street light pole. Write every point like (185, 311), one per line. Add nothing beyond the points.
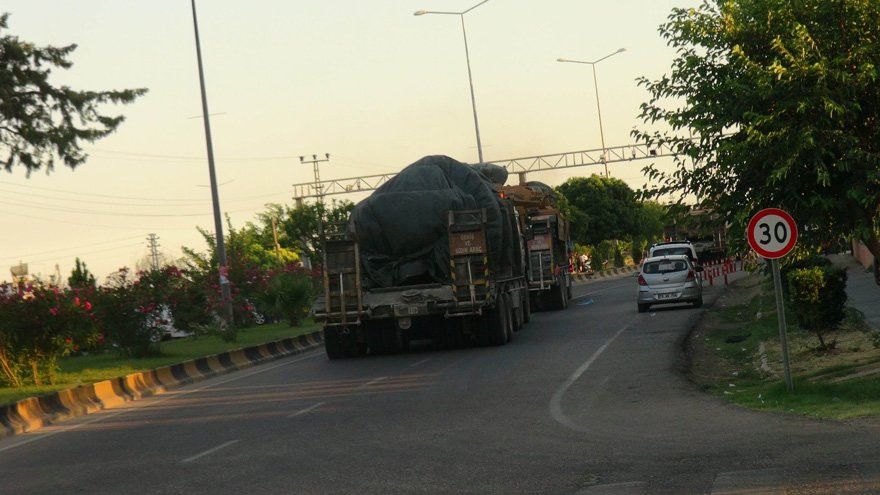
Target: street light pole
(223, 269)
(596, 87)
(468, 60)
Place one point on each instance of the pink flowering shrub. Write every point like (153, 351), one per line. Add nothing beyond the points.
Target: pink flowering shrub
(126, 314)
(38, 325)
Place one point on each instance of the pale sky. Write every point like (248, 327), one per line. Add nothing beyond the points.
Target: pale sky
(363, 80)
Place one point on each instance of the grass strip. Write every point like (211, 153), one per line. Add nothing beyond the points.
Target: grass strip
(736, 356)
(85, 369)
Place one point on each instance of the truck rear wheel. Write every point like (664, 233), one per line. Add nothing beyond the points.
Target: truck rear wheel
(374, 334)
(498, 320)
(556, 298)
(332, 346)
(517, 316)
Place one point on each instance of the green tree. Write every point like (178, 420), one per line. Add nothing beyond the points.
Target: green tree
(298, 227)
(600, 208)
(40, 122)
(651, 220)
(80, 277)
(782, 97)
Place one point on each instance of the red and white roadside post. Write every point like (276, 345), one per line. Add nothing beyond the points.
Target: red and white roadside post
(772, 233)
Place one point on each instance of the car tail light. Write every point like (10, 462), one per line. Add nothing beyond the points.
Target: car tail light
(642, 280)
(692, 277)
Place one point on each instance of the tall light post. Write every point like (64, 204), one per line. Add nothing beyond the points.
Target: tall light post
(596, 86)
(223, 267)
(468, 60)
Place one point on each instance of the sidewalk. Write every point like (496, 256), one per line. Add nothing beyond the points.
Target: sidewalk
(862, 293)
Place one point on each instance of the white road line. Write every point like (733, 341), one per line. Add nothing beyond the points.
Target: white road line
(372, 382)
(626, 488)
(423, 361)
(142, 404)
(209, 451)
(556, 401)
(306, 410)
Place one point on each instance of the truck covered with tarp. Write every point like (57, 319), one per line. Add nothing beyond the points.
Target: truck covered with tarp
(434, 253)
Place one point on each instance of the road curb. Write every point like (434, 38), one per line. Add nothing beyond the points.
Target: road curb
(35, 412)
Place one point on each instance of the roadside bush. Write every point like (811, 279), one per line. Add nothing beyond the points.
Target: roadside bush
(288, 294)
(636, 249)
(188, 300)
(818, 297)
(602, 254)
(804, 261)
(126, 314)
(619, 262)
(38, 325)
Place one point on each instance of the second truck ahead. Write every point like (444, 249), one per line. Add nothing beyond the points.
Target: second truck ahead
(548, 248)
(438, 252)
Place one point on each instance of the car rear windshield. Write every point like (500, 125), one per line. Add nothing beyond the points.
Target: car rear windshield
(672, 251)
(665, 266)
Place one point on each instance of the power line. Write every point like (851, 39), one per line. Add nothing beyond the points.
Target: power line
(114, 227)
(71, 248)
(190, 157)
(92, 201)
(89, 252)
(115, 214)
(137, 198)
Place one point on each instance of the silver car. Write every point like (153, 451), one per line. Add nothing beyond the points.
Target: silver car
(669, 279)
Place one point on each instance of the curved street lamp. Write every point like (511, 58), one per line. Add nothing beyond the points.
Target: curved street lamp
(468, 59)
(596, 86)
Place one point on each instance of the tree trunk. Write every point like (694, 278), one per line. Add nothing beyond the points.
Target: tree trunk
(35, 368)
(9, 370)
(873, 245)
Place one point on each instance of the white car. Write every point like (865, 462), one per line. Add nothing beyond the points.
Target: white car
(669, 279)
(674, 248)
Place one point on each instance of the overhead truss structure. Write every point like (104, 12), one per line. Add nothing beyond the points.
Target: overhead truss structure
(520, 166)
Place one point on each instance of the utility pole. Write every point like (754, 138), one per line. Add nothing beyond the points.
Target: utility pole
(275, 237)
(153, 239)
(227, 320)
(315, 161)
(319, 192)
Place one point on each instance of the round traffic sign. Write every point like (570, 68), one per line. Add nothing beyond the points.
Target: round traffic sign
(772, 233)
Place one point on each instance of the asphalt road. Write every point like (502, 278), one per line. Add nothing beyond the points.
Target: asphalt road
(589, 400)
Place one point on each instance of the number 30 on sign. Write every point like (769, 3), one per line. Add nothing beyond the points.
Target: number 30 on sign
(772, 233)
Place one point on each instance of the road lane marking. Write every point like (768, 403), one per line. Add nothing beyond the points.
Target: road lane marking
(138, 405)
(372, 382)
(423, 361)
(209, 451)
(625, 488)
(556, 401)
(586, 303)
(307, 410)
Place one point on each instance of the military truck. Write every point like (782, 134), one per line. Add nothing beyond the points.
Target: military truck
(548, 247)
(435, 253)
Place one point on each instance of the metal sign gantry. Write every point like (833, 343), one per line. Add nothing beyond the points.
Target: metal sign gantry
(519, 166)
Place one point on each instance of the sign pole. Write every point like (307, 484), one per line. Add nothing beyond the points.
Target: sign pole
(780, 313)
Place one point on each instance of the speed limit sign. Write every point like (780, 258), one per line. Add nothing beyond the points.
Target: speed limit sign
(772, 233)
